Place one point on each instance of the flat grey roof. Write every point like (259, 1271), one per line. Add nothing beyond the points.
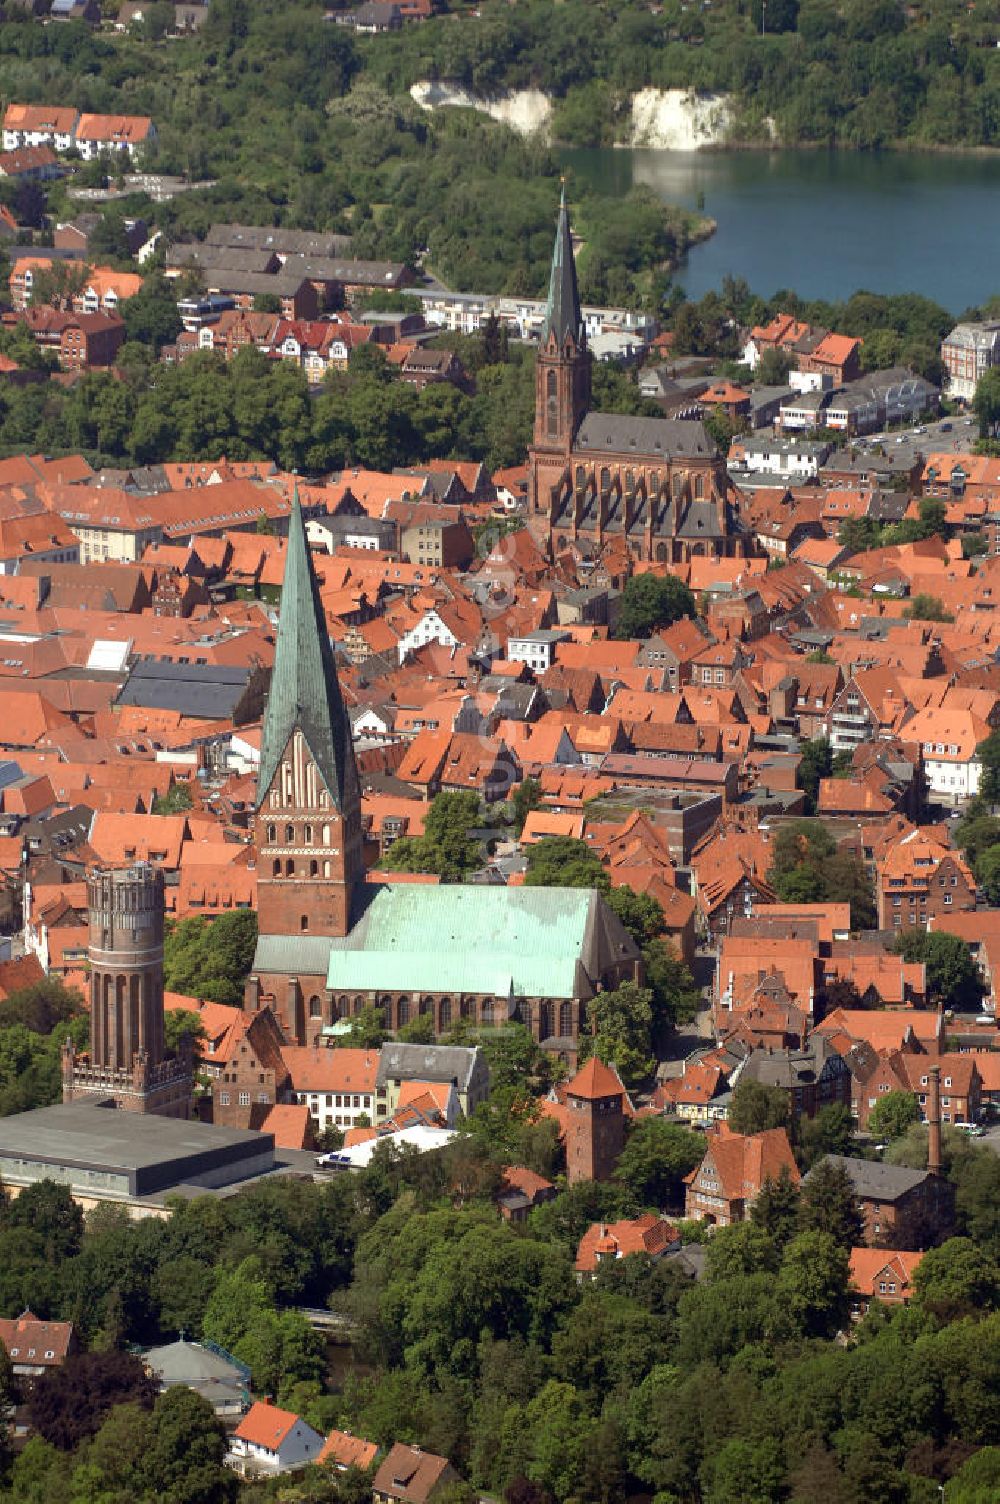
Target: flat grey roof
(152, 1151)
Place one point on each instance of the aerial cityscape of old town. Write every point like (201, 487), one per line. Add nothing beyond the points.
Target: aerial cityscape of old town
(500, 767)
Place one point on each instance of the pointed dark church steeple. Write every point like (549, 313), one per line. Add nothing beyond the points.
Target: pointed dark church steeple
(305, 691)
(562, 309)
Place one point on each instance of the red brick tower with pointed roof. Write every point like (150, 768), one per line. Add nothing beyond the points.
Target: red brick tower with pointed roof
(595, 1127)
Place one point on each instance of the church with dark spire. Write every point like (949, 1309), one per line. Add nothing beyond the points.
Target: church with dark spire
(659, 485)
(331, 944)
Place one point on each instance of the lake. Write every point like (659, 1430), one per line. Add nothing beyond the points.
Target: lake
(826, 223)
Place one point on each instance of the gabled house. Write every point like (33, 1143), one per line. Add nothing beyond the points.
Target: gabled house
(920, 879)
(269, 1441)
(603, 1242)
(411, 1476)
(729, 1179)
(881, 1274)
(34, 1347)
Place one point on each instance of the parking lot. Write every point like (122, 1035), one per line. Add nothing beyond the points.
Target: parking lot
(949, 435)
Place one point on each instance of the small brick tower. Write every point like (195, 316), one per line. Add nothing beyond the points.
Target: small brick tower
(126, 1061)
(595, 1129)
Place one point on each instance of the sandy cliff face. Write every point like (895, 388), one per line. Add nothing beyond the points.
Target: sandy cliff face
(664, 119)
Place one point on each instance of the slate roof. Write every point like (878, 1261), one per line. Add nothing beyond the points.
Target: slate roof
(562, 309)
(305, 692)
(874, 1180)
(211, 691)
(615, 433)
(421, 1062)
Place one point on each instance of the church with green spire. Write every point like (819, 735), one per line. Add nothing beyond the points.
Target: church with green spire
(657, 486)
(330, 943)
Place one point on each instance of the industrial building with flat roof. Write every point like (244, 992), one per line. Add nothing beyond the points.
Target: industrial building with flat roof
(107, 1155)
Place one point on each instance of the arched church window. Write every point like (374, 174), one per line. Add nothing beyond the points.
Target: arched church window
(289, 868)
(314, 869)
(605, 479)
(315, 1008)
(326, 835)
(444, 1014)
(326, 869)
(402, 1012)
(289, 834)
(304, 922)
(276, 871)
(699, 487)
(678, 484)
(566, 1020)
(271, 833)
(307, 835)
(552, 405)
(581, 477)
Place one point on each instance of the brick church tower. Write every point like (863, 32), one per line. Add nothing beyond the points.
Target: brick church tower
(562, 371)
(595, 1122)
(126, 1061)
(308, 819)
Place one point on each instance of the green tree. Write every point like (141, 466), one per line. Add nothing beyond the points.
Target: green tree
(210, 958)
(656, 1157)
(417, 1030)
(812, 1282)
(564, 862)
(893, 1114)
(526, 797)
(830, 1131)
(953, 978)
(924, 607)
(957, 1280)
(988, 753)
(175, 801)
(776, 1209)
(649, 602)
(756, 1107)
(976, 832)
(829, 1205)
(367, 1031)
(184, 1461)
(986, 403)
(446, 846)
(619, 1032)
(816, 763)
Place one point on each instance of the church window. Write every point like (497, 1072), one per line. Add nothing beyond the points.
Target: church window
(289, 868)
(326, 869)
(426, 1005)
(402, 1012)
(326, 835)
(289, 834)
(699, 487)
(444, 1013)
(276, 872)
(566, 1020)
(605, 479)
(315, 1009)
(677, 483)
(314, 869)
(304, 921)
(581, 477)
(661, 553)
(552, 405)
(307, 835)
(271, 833)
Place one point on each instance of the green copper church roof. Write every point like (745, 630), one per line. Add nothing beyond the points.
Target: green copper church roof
(305, 691)
(463, 938)
(562, 309)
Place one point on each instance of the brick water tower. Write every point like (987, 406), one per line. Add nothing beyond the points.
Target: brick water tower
(126, 1063)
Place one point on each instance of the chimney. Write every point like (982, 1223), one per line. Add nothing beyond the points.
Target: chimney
(934, 1121)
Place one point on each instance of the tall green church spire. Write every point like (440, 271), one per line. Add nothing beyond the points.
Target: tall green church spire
(562, 310)
(305, 691)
